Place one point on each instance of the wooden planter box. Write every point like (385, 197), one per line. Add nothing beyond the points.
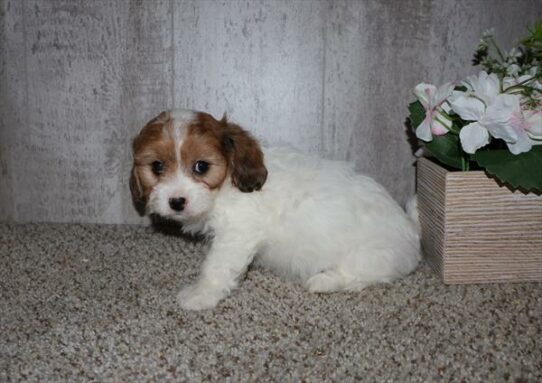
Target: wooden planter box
(475, 231)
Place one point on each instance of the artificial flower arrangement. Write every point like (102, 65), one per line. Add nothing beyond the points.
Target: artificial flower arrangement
(490, 121)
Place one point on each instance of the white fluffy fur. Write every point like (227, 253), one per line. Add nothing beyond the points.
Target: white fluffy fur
(314, 221)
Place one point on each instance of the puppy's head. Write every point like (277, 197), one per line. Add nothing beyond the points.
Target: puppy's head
(182, 158)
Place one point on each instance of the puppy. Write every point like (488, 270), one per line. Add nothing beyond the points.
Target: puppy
(308, 219)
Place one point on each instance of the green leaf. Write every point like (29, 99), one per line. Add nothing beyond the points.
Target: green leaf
(445, 148)
(417, 114)
(522, 171)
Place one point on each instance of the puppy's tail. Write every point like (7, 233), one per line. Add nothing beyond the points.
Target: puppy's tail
(411, 209)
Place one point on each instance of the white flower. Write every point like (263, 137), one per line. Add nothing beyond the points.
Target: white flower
(512, 70)
(511, 64)
(533, 119)
(433, 99)
(514, 79)
(514, 54)
(509, 123)
(492, 114)
(483, 86)
(473, 136)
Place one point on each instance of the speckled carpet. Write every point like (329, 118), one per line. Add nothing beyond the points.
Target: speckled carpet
(97, 303)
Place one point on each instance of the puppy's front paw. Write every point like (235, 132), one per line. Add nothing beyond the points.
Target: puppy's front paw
(198, 297)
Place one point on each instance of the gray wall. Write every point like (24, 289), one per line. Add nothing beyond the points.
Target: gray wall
(80, 78)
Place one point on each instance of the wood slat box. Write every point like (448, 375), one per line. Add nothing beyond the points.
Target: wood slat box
(475, 231)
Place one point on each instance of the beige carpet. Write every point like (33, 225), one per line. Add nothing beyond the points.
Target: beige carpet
(97, 303)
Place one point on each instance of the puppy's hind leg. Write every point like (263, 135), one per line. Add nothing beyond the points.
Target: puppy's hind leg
(332, 280)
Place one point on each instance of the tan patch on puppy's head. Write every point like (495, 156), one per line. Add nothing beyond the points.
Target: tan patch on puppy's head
(202, 152)
(226, 148)
(154, 144)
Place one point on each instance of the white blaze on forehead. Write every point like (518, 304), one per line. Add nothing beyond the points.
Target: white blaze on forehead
(182, 114)
(181, 118)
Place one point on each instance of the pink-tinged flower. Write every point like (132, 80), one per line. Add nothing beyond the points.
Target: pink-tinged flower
(520, 125)
(502, 118)
(473, 136)
(483, 86)
(528, 79)
(436, 122)
(493, 114)
(533, 119)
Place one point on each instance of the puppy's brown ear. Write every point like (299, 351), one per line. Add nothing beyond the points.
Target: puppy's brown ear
(135, 186)
(248, 171)
(138, 198)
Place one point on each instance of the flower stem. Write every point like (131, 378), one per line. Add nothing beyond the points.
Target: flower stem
(519, 85)
(465, 166)
(465, 159)
(499, 52)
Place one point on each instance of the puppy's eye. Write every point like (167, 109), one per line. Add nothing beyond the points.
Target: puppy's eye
(201, 167)
(157, 167)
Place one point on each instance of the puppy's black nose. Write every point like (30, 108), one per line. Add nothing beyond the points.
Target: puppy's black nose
(177, 204)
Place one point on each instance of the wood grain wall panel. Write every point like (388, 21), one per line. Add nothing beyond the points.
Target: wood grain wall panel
(260, 61)
(95, 72)
(363, 103)
(147, 86)
(13, 93)
(345, 65)
(372, 64)
(456, 28)
(74, 75)
(80, 78)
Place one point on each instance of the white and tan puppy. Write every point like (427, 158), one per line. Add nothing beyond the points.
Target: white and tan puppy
(308, 219)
